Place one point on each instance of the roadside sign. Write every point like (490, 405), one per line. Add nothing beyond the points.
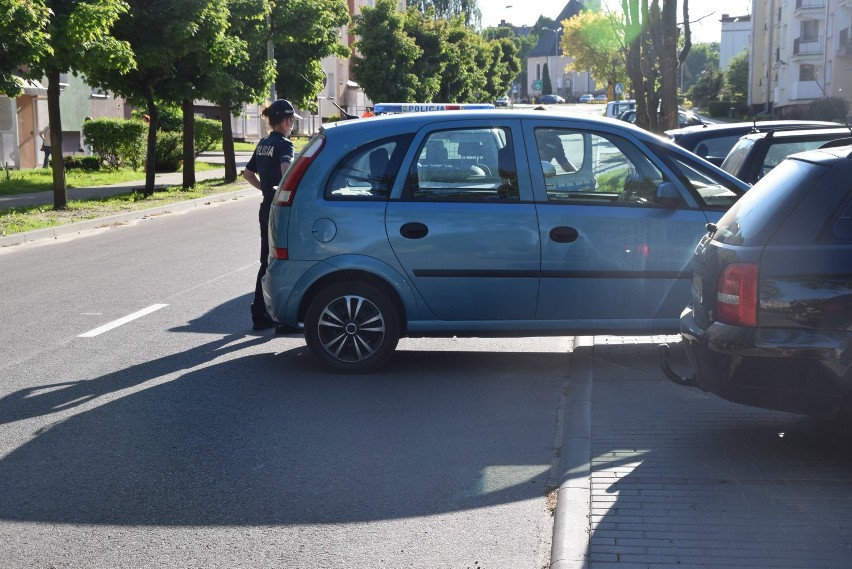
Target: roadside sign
(537, 85)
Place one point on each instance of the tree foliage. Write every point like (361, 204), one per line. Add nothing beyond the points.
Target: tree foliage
(81, 41)
(707, 87)
(183, 29)
(24, 40)
(595, 41)
(701, 58)
(305, 32)
(467, 10)
(435, 59)
(381, 31)
(247, 78)
(736, 76)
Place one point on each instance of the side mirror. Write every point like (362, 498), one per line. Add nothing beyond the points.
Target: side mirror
(548, 169)
(668, 194)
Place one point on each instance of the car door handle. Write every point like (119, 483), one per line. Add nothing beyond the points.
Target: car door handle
(414, 230)
(564, 234)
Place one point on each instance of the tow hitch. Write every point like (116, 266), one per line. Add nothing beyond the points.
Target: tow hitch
(664, 352)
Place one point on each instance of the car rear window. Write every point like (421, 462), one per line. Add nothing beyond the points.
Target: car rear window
(758, 214)
(368, 172)
(733, 163)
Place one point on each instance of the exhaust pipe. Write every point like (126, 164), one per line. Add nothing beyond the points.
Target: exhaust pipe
(664, 352)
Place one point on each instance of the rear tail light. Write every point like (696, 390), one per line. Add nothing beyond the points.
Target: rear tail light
(279, 253)
(736, 295)
(293, 176)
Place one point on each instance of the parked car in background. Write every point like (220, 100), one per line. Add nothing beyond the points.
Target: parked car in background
(551, 100)
(601, 98)
(770, 322)
(587, 98)
(754, 155)
(713, 141)
(684, 118)
(502, 102)
(471, 223)
(614, 108)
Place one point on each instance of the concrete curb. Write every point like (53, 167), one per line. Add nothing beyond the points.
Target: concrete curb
(570, 543)
(80, 226)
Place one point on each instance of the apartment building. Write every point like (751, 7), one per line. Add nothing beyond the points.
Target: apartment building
(801, 51)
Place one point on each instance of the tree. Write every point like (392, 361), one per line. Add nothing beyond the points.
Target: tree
(430, 35)
(248, 77)
(305, 32)
(707, 87)
(468, 10)
(81, 41)
(653, 58)
(157, 54)
(546, 83)
(198, 70)
(702, 57)
(464, 78)
(736, 76)
(24, 39)
(381, 31)
(595, 41)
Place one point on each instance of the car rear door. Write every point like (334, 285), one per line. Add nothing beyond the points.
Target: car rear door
(615, 254)
(464, 227)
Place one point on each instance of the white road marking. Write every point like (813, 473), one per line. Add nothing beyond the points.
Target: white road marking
(121, 321)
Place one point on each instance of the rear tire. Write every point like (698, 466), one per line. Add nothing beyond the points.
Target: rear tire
(352, 327)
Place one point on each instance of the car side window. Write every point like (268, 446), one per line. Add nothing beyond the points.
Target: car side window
(580, 166)
(840, 229)
(712, 190)
(465, 164)
(368, 172)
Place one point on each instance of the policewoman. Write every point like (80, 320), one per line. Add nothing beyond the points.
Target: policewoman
(271, 158)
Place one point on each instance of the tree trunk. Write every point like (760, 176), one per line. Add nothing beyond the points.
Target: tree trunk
(228, 144)
(188, 109)
(668, 66)
(151, 154)
(54, 117)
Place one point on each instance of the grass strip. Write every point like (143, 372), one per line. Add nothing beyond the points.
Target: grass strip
(32, 218)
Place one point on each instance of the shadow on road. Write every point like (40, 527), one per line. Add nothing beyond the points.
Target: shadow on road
(273, 438)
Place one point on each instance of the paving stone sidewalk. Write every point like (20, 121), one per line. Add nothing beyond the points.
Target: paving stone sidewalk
(681, 478)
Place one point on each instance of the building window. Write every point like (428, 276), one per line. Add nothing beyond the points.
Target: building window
(806, 72)
(810, 31)
(538, 71)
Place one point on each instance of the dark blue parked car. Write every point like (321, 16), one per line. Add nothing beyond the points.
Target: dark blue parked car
(770, 322)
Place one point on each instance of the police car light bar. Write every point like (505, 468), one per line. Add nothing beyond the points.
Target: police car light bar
(388, 108)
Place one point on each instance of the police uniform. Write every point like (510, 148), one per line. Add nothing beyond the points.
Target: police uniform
(266, 161)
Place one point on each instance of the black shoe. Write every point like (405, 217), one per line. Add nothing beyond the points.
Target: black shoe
(263, 322)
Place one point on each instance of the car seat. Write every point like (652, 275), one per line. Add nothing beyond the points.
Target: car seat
(379, 161)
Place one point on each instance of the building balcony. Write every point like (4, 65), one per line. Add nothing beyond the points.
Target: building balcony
(805, 47)
(805, 90)
(805, 5)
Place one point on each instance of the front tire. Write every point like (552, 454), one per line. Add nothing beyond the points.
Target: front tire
(352, 327)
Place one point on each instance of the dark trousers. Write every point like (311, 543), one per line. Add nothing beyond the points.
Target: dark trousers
(258, 308)
(46, 150)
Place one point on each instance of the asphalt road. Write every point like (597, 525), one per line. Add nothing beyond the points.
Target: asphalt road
(180, 438)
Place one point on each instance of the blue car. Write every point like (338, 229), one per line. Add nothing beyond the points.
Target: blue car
(484, 223)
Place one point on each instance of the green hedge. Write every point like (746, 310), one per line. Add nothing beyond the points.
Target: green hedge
(169, 151)
(117, 142)
(88, 163)
(208, 132)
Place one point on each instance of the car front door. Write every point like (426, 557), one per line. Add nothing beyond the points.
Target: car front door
(464, 228)
(617, 232)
